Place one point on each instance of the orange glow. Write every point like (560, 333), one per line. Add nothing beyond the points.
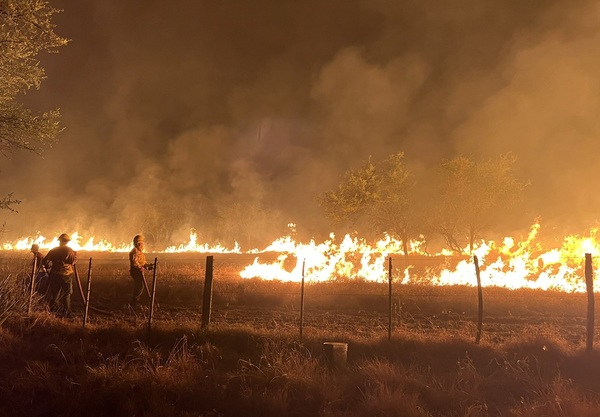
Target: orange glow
(510, 264)
(92, 244)
(194, 246)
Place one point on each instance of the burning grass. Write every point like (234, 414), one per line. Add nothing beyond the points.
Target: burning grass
(344, 304)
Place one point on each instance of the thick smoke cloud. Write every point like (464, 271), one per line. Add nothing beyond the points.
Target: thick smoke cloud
(230, 117)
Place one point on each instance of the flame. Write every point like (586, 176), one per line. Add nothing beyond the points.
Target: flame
(193, 246)
(510, 264)
(45, 244)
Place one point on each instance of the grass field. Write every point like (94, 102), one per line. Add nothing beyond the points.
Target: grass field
(250, 361)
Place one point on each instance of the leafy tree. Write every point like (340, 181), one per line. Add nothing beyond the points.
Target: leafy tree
(378, 195)
(353, 195)
(473, 196)
(26, 29)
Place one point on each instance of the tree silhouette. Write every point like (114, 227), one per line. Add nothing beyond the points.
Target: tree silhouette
(26, 30)
(473, 196)
(379, 196)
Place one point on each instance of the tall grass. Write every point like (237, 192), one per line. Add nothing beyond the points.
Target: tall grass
(53, 367)
(430, 367)
(14, 293)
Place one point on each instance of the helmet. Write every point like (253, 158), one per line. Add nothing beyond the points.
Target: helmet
(35, 247)
(138, 238)
(64, 237)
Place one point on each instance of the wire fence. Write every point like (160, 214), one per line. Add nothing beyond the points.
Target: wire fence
(180, 292)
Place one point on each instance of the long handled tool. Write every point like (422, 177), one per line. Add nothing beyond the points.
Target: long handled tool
(34, 269)
(146, 283)
(83, 299)
(87, 296)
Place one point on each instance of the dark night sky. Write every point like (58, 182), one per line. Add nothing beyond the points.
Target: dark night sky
(231, 116)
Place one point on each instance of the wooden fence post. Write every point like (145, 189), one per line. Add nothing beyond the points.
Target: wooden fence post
(390, 298)
(153, 295)
(207, 296)
(589, 283)
(302, 300)
(480, 300)
(87, 299)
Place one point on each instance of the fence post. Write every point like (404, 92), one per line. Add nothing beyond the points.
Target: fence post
(302, 300)
(390, 298)
(480, 300)
(589, 283)
(207, 296)
(153, 295)
(32, 284)
(87, 299)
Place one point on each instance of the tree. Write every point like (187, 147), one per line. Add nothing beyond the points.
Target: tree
(26, 30)
(378, 195)
(473, 196)
(353, 194)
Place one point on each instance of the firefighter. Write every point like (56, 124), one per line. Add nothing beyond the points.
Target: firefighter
(137, 267)
(37, 255)
(61, 263)
(41, 276)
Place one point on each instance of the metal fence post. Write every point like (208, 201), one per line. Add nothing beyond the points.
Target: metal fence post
(390, 298)
(207, 296)
(153, 294)
(302, 300)
(32, 284)
(479, 300)
(589, 283)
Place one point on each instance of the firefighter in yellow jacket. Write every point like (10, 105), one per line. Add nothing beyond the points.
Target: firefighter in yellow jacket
(137, 267)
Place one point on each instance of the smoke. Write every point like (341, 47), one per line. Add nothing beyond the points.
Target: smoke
(230, 117)
(545, 113)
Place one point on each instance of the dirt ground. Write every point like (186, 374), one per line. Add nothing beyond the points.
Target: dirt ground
(335, 322)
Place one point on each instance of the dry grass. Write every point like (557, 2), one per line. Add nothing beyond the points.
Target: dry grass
(52, 367)
(250, 362)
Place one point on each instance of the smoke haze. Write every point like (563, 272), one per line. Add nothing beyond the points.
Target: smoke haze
(230, 117)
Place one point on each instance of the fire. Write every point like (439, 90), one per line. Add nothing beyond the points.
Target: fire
(510, 264)
(89, 245)
(194, 246)
(352, 258)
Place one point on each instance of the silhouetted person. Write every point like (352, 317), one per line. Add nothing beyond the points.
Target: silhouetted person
(137, 267)
(61, 261)
(37, 255)
(40, 274)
